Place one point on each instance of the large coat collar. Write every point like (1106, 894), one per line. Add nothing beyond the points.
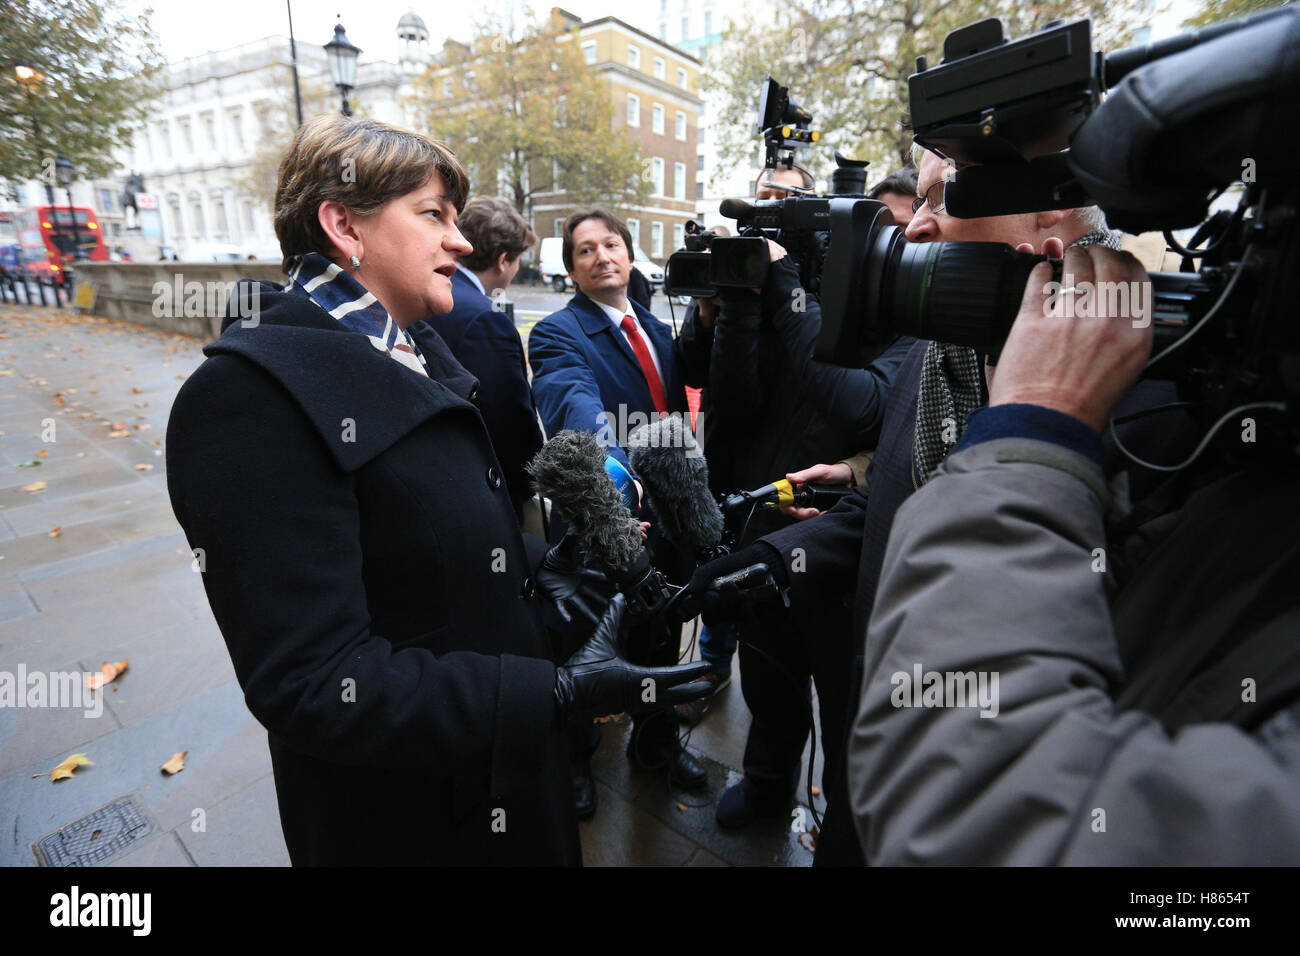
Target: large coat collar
(360, 400)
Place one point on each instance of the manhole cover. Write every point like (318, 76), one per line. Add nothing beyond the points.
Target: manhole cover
(97, 836)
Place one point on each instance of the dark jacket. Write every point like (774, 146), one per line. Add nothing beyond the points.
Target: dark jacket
(767, 408)
(586, 377)
(485, 341)
(366, 570)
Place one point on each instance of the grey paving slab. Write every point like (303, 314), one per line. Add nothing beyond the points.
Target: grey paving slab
(211, 774)
(162, 849)
(242, 830)
(125, 761)
(15, 602)
(47, 734)
(34, 549)
(622, 834)
(167, 667)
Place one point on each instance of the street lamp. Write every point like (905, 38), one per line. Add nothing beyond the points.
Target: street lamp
(31, 81)
(343, 64)
(65, 173)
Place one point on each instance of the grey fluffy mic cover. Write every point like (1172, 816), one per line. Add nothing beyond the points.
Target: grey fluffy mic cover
(667, 459)
(570, 470)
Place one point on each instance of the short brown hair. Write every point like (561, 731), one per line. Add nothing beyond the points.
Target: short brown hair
(595, 212)
(493, 227)
(359, 163)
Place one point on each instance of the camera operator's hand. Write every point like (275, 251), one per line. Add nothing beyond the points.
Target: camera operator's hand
(596, 681)
(706, 311)
(775, 251)
(1065, 351)
(836, 474)
(728, 601)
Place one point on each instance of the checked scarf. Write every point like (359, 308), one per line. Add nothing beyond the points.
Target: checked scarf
(347, 300)
(951, 388)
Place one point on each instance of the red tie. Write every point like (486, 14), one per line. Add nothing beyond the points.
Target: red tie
(647, 364)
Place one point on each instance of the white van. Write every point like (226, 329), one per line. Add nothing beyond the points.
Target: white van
(550, 264)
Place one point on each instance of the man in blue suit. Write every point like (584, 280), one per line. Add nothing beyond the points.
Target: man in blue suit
(484, 339)
(603, 364)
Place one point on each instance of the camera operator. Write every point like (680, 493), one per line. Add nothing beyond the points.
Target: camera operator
(1129, 728)
(935, 390)
(762, 418)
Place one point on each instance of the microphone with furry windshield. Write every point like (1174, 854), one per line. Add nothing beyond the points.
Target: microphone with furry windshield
(570, 470)
(669, 462)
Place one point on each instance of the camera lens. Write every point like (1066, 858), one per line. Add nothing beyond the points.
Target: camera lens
(964, 293)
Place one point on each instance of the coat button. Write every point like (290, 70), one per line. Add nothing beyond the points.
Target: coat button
(528, 589)
(493, 477)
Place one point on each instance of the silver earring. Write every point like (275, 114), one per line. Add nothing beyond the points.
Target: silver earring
(356, 263)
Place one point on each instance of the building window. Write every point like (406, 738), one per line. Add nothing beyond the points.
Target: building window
(657, 118)
(681, 78)
(656, 240)
(106, 200)
(210, 131)
(708, 22)
(634, 56)
(248, 216)
(196, 219)
(165, 138)
(679, 235)
(701, 134)
(446, 86)
(663, 30)
(237, 128)
(659, 68)
(681, 126)
(663, 8)
(657, 173)
(589, 51)
(558, 226)
(679, 180)
(699, 163)
(555, 175)
(223, 226)
(686, 29)
(187, 137)
(634, 228)
(633, 110)
(117, 230)
(699, 190)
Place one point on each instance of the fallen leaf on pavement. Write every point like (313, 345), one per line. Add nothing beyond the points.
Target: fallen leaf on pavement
(135, 391)
(144, 467)
(120, 433)
(106, 673)
(42, 453)
(64, 770)
(35, 486)
(176, 764)
(816, 790)
(140, 428)
(56, 531)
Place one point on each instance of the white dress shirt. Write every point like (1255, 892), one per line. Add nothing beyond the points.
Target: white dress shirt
(616, 316)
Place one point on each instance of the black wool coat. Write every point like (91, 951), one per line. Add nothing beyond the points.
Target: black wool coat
(363, 561)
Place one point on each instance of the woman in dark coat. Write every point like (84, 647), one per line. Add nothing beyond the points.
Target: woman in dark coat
(357, 540)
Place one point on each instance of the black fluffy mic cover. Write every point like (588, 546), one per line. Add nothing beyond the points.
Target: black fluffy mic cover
(667, 459)
(570, 470)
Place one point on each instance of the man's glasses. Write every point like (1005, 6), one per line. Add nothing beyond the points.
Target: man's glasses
(933, 198)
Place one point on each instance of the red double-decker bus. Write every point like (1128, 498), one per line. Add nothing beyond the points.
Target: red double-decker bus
(46, 237)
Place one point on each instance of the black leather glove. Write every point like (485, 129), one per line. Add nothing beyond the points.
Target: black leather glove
(570, 585)
(730, 599)
(596, 681)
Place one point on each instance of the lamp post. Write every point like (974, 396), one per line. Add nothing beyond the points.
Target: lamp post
(343, 64)
(31, 80)
(66, 173)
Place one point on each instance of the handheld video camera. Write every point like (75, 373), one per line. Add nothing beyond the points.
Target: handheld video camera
(1024, 121)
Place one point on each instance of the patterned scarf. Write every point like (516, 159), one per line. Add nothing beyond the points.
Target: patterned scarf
(347, 300)
(951, 388)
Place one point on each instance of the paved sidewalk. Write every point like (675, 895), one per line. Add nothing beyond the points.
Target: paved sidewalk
(94, 568)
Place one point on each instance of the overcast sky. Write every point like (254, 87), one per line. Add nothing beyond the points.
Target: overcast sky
(188, 28)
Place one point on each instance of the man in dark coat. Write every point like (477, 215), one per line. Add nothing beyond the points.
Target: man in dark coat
(484, 338)
(604, 364)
